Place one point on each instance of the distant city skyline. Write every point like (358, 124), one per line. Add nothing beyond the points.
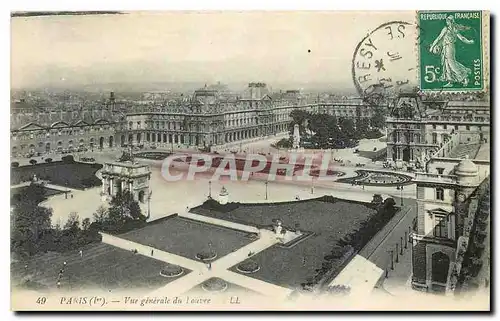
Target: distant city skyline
(283, 49)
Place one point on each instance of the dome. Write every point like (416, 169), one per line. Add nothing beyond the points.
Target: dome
(466, 167)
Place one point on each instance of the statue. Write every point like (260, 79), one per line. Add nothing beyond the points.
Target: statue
(126, 156)
(223, 196)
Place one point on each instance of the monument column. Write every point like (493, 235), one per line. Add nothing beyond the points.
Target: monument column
(104, 185)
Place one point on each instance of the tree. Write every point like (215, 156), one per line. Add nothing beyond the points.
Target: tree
(14, 164)
(48, 160)
(86, 224)
(378, 118)
(123, 208)
(101, 215)
(29, 222)
(299, 117)
(73, 222)
(362, 127)
(34, 194)
(33, 161)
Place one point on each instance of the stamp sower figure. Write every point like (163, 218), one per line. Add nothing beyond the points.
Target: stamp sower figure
(451, 70)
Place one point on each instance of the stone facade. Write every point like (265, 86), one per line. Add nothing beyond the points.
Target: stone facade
(444, 191)
(126, 176)
(208, 117)
(415, 132)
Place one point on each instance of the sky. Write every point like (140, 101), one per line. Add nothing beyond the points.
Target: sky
(144, 47)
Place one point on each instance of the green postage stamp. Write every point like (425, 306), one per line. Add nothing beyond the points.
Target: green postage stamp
(451, 51)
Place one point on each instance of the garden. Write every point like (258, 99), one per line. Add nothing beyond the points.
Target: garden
(336, 226)
(63, 173)
(152, 155)
(375, 178)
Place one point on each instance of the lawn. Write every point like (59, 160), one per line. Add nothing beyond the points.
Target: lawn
(73, 175)
(187, 237)
(290, 267)
(19, 191)
(102, 267)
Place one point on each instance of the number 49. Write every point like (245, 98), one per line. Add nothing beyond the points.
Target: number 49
(430, 74)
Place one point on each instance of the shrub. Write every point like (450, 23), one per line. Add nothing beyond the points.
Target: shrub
(33, 161)
(377, 199)
(68, 159)
(14, 164)
(48, 160)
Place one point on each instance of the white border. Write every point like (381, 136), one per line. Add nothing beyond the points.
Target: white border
(23, 5)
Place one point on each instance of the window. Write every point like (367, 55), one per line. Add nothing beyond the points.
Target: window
(434, 138)
(467, 127)
(440, 170)
(445, 126)
(440, 194)
(456, 127)
(434, 126)
(440, 227)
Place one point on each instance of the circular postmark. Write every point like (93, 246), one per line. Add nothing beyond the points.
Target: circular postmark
(384, 62)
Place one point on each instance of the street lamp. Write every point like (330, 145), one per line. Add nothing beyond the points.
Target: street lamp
(401, 198)
(209, 189)
(266, 189)
(312, 185)
(392, 259)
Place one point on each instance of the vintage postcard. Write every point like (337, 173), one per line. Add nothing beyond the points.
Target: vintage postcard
(231, 161)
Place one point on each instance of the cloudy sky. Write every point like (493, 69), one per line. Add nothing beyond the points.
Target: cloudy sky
(182, 47)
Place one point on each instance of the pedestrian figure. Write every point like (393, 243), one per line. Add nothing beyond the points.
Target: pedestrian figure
(151, 252)
(71, 195)
(58, 284)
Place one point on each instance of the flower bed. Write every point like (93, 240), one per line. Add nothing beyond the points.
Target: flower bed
(247, 267)
(171, 271)
(206, 255)
(214, 285)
